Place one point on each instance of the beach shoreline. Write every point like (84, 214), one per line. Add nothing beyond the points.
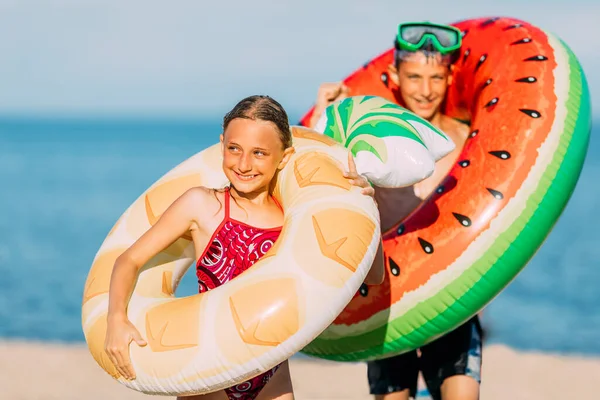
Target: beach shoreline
(33, 370)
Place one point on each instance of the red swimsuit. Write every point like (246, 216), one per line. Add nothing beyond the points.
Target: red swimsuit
(233, 248)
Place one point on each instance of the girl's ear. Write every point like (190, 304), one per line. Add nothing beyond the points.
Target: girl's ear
(287, 154)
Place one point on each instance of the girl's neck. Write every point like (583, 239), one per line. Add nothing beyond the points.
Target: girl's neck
(258, 197)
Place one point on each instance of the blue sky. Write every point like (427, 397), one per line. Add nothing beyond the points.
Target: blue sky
(197, 58)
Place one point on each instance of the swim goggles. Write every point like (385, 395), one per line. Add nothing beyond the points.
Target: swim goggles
(413, 36)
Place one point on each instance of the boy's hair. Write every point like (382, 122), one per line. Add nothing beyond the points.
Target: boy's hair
(429, 51)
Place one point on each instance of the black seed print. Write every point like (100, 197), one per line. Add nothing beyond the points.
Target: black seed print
(464, 163)
(394, 268)
(463, 219)
(528, 79)
(501, 154)
(531, 113)
(513, 27)
(467, 52)
(400, 229)
(474, 133)
(488, 22)
(522, 41)
(364, 290)
(385, 78)
(440, 189)
(497, 195)
(426, 246)
(464, 33)
(536, 58)
(481, 61)
(492, 102)
(488, 82)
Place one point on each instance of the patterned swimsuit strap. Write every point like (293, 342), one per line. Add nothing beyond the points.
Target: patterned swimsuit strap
(277, 203)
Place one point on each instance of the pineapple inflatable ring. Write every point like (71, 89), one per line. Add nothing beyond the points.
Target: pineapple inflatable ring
(206, 342)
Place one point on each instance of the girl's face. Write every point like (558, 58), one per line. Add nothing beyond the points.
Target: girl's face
(252, 153)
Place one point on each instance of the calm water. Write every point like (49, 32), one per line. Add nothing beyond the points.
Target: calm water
(64, 184)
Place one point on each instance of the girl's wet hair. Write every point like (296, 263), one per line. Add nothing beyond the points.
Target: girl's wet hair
(262, 108)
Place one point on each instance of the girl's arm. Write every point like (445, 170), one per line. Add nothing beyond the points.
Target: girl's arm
(178, 219)
(175, 222)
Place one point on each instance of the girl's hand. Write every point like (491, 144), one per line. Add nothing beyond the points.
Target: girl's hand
(356, 179)
(120, 333)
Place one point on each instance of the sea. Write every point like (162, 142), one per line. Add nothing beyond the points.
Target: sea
(64, 182)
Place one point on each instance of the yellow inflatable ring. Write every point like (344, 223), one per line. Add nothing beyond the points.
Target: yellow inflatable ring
(206, 342)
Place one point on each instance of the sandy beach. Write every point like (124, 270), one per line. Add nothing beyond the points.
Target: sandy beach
(34, 371)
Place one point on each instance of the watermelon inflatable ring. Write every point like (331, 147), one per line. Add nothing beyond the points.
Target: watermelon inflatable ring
(525, 96)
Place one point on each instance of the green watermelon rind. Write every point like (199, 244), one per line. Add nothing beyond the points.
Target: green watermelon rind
(501, 262)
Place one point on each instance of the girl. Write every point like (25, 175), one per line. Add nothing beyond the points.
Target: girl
(257, 143)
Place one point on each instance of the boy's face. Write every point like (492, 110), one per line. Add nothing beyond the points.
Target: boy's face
(423, 80)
